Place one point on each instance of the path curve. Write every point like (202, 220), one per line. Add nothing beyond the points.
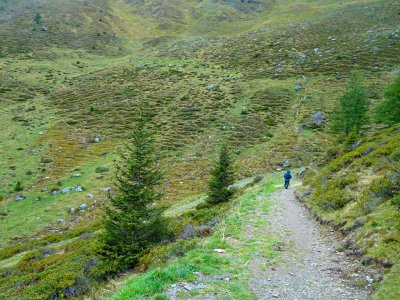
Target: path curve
(310, 268)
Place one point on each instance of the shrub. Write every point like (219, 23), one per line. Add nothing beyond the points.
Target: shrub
(396, 201)
(102, 170)
(331, 199)
(388, 111)
(18, 187)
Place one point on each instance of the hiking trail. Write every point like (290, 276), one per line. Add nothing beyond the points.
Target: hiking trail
(310, 267)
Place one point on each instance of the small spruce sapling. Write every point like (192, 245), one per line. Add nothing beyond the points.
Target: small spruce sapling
(222, 177)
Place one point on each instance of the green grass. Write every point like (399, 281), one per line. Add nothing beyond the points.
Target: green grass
(205, 260)
(357, 187)
(79, 73)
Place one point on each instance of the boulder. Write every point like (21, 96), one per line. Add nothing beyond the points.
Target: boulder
(188, 232)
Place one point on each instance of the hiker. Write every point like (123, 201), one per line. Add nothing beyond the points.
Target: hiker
(287, 178)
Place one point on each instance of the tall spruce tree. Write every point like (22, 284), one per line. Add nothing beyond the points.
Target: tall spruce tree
(222, 177)
(352, 112)
(132, 223)
(388, 111)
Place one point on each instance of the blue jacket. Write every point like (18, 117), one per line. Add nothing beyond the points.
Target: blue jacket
(287, 176)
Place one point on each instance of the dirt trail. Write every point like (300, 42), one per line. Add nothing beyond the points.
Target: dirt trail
(310, 268)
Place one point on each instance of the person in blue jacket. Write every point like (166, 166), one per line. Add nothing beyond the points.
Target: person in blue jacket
(287, 178)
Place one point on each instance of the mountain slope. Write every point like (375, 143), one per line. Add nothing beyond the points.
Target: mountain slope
(253, 72)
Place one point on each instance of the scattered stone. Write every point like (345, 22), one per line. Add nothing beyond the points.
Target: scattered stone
(355, 145)
(55, 192)
(387, 264)
(278, 248)
(19, 198)
(46, 160)
(318, 117)
(298, 88)
(72, 210)
(90, 196)
(188, 232)
(220, 250)
(193, 286)
(106, 190)
(368, 151)
(83, 206)
(97, 139)
(79, 189)
(285, 164)
(212, 87)
(301, 171)
(76, 175)
(61, 220)
(306, 193)
(66, 190)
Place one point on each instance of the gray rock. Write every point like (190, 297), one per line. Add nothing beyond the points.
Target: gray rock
(90, 196)
(302, 57)
(285, 164)
(83, 206)
(79, 189)
(301, 171)
(19, 198)
(368, 151)
(76, 175)
(66, 190)
(106, 190)
(298, 88)
(318, 117)
(355, 145)
(188, 232)
(212, 87)
(72, 210)
(61, 220)
(97, 139)
(56, 192)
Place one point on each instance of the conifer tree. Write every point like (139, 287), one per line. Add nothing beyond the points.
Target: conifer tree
(222, 177)
(132, 223)
(352, 112)
(388, 111)
(38, 18)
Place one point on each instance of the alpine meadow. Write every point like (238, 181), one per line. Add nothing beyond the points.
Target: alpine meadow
(199, 149)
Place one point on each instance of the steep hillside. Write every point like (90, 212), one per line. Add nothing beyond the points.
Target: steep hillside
(357, 191)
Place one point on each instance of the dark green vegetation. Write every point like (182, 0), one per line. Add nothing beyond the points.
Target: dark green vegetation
(132, 224)
(259, 73)
(357, 190)
(389, 110)
(352, 113)
(222, 178)
(199, 255)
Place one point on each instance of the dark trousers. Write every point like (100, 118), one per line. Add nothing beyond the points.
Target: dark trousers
(287, 184)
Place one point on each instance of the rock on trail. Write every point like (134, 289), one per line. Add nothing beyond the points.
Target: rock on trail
(310, 266)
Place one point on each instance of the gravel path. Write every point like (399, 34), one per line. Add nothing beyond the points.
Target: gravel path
(310, 267)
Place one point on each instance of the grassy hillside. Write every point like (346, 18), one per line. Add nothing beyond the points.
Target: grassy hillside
(356, 190)
(252, 72)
